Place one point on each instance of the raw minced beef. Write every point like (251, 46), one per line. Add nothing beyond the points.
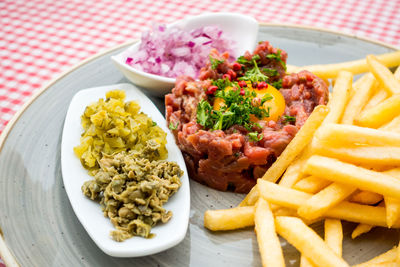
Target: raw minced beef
(227, 159)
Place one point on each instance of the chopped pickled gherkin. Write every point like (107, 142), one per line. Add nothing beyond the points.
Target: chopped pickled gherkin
(125, 152)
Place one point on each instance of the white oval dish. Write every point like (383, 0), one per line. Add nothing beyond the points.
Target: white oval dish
(89, 212)
(243, 30)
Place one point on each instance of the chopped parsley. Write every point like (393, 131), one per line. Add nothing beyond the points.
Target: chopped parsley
(277, 84)
(172, 126)
(288, 119)
(255, 137)
(266, 98)
(254, 74)
(215, 62)
(237, 110)
(154, 123)
(237, 107)
(277, 57)
(223, 83)
(270, 72)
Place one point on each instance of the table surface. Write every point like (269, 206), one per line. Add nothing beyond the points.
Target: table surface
(39, 39)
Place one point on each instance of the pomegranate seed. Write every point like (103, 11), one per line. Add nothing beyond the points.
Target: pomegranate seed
(227, 76)
(242, 92)
(242, 84)
(236, 66)
(232, 73)
(262, 85)
(211, 90)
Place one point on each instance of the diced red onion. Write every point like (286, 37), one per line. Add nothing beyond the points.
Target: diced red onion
(128, 60)
(172, 52)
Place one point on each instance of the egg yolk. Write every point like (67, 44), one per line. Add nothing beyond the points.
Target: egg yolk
(275, 106)
(219, 102)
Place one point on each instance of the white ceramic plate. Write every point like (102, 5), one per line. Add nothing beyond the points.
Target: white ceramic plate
(89, 212)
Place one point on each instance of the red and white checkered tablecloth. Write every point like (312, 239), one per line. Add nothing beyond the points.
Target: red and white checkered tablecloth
(39, 39)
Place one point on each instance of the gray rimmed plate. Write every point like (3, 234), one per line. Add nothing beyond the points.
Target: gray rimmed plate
(39, 225)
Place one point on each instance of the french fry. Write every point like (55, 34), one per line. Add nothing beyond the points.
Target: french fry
(355, 67)
(328, 197)
(364, 87)
(374, 155)
(291, 68)
(268, 241)
(298, 143)
(366, 197)
(281, 196)
(392, 210)
(388, 256)
(282, 211)
(382, 113)
(307, 242)
(392, 204)
(361, 229)
(293, 172)
(338, 171)
(229, 219)
(251, 198)
(295, 147)
(398, 255)
(304, 262)
(383, 75)
(311, 184)
(334, 235)
(392, 126)
(340, 94)
(339, 134)
(352, 212)
(397, 74)
(376, 99)
(382, 264)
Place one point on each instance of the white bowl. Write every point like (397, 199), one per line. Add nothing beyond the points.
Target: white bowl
(243, 30)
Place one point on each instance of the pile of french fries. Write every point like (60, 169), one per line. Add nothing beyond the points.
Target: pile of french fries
(343, 164)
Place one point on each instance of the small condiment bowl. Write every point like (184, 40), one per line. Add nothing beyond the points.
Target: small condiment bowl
(243, 30)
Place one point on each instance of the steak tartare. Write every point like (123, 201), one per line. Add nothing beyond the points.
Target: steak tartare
(234, 122)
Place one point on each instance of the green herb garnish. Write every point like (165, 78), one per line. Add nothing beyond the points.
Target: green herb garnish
(242, 60)
(277, 57)
(255, 137)
(266, 98)
(223, 83)
(288, 119)
(236, 110)
(270, 72)
(254, 74)
(277, 84)
(172, 126)
(215, 62)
